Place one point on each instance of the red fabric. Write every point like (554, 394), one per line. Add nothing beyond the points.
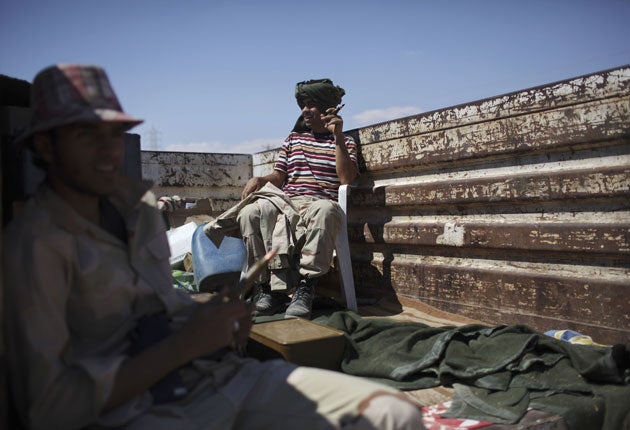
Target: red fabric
(432, 419)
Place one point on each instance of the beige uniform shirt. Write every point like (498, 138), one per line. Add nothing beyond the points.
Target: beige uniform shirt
(73, 293)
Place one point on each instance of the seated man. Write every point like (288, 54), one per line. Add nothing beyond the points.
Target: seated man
(97, 337)
(315, 159)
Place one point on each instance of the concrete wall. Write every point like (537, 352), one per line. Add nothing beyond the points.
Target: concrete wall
(218, 177)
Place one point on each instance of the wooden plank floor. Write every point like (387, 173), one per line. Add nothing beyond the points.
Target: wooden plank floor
(404, 309)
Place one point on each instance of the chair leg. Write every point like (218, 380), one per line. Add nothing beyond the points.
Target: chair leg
(343, 254)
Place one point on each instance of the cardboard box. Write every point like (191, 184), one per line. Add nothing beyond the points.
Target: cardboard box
(298, 341)
(203, 211)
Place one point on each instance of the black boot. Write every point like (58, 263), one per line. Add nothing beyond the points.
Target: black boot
(268, 302)
(302, 301)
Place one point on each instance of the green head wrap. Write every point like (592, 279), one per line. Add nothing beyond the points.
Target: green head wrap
(322, 92)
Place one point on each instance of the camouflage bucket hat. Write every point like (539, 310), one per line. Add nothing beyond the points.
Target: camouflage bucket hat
(65, 94)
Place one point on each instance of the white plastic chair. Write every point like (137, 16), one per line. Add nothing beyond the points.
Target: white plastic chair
(343, 252)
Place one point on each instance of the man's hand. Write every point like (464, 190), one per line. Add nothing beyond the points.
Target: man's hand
(254, 184)
(332, 121)
(216, 324)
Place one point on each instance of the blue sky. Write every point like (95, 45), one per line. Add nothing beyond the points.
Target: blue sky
(218, 76)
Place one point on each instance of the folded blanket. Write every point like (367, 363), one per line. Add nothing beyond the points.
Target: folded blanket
(497, 372)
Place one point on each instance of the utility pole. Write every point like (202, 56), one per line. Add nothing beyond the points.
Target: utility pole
(153, 138)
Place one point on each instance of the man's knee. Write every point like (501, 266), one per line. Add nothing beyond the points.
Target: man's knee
(248, 216)
(326, 213)
(327, 206)
(389, 411)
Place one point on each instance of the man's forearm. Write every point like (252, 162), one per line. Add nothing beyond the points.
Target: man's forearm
(346, 169)
(139, 373)
(257, 182)
(274, 178)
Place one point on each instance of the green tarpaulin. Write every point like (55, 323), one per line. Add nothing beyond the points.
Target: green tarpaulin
(497, 372)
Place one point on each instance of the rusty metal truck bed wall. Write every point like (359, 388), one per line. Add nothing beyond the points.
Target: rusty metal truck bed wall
(509, 210)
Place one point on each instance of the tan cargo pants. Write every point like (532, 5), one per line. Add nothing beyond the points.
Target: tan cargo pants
(312, 253)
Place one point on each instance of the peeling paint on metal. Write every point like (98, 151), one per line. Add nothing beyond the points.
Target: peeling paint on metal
(453, 235)
(513, 209)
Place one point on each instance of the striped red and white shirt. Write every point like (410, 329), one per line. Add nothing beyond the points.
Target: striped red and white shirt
(308, 160)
